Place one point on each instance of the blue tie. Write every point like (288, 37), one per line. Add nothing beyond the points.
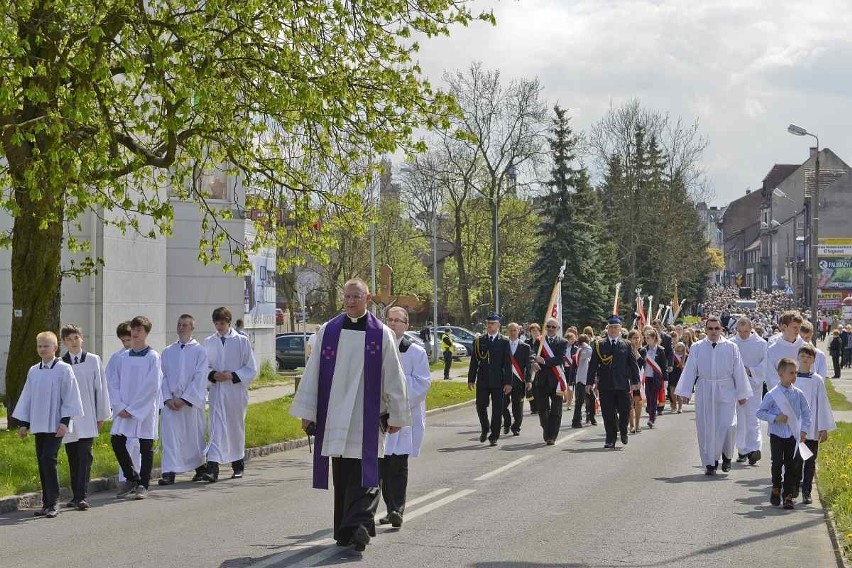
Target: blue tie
(223, 340)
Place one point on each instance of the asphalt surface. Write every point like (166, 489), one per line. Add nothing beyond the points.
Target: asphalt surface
(521, 504)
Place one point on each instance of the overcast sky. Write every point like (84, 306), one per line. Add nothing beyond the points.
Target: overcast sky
(743, 69)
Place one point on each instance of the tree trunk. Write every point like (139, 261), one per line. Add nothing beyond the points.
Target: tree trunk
(36, 256)
(464, 290)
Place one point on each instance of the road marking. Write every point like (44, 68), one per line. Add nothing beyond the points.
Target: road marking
(564, 439)
(329, 552)
(500, 470)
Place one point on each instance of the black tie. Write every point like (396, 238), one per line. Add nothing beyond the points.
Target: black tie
(183, 345)
(612, 342)
(223, 340)
(714, 345)
(75, 360)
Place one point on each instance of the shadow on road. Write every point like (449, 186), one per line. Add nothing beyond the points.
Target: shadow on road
(693, 478)
(479, 446)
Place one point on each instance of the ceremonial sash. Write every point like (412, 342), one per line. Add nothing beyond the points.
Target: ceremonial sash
(678, 361)
(372, 399)
(562, 384)
(516, 369)
(654, 367)
(792, 420)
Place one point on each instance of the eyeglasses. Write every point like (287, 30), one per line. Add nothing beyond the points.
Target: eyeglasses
(356, 298)
(397, 320)
(713, 328)
(552, 326)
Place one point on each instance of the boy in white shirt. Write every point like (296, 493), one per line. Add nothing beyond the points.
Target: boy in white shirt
(822, 418)
(95, 399)
(49, 399)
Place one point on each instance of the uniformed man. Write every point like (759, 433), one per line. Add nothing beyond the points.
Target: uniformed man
(447, 350)
(613, 370)
(491, 372)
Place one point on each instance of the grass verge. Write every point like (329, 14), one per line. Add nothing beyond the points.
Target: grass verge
(834, 477)
(266, 423)
(439, 365)
(837, 400)
(267, 376)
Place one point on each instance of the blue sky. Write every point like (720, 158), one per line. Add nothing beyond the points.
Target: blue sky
(743, 69)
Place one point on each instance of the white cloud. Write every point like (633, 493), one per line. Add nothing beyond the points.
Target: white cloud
(743, 69)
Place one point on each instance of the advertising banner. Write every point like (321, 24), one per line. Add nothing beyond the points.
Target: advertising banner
(835, 273)
(832, 301)
(259, 292)
(834, 248)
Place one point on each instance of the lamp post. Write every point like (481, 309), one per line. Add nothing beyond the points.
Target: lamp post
(813, 216)
(511, 175)
(434, 272)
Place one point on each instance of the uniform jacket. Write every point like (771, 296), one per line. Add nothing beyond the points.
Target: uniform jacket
(661, 359)
(490, 363)
(613, 368)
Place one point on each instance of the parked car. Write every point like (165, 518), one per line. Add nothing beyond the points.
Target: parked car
(459, 350)
(460, 335)
(290, 350)
(279, 316)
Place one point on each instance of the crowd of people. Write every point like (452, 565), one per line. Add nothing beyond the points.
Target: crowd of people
(363, 392)
(147, 395)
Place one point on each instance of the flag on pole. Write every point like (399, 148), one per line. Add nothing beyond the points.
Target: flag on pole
(554, 310)
(615, 303)
(675, 303)
(650, 310)
(640, 309)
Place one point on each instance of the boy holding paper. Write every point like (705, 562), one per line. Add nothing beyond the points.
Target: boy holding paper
(786, 410)
(822, 418)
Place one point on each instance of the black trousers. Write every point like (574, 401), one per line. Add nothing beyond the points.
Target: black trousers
(448, 361)
(549, 412)
(582, 398)
(354, 505)
(786, 464)
(835, 362)
(393, 470)
(47, 450)
(615, 410)
(809, 467)
(515, 401)
(80, 465)
(146, 449)
(495, 396)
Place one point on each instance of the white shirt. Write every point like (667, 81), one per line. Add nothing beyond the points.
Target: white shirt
(50, 394)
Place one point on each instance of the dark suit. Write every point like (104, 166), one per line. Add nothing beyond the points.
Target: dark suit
(491, 370)
(519, 388)
(549, 404)
(653, 383)
(614, 370)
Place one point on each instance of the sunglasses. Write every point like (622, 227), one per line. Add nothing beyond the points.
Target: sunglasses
(552, 326)
(713, 328)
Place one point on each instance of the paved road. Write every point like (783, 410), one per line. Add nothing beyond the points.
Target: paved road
(521, 504)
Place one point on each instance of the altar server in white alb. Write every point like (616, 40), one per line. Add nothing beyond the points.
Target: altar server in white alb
(812, 386)
(231, 368)
(353, 389)
(49, 399)
(134, 393)
(184, 393)
(785, 345)
(753, 353)
(95, 397)
(820, 366)
(122, 332)
(393, 467)
(716, 364)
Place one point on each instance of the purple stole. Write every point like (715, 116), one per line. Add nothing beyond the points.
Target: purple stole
(372, 399)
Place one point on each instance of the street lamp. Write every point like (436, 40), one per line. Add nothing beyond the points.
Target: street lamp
(512, 176)
(813, 217)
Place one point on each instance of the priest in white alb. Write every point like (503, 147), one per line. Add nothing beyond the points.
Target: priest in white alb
(184, 393)
(716, 365)
(352, 391)
(231, 369)
(393, 467)
(753, 353)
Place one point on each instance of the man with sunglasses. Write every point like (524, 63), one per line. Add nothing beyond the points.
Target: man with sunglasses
(723, 384)
(550, 384)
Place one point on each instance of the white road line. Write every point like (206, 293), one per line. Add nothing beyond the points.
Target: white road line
(328, 553)
(571, 436)
(295, 548)
(500, 470)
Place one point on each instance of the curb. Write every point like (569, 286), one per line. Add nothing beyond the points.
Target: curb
(833, 534)
(33, 500)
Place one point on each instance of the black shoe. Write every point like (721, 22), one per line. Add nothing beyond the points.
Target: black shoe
(576, 425)
(210, 477)
(483, 436)
(775, 496)
(238, 474)
(741, 458)
(360, 538)
(72, 504)
(806, 498)
(726, 464)
(516, 432)
(384, 520)
(82, 505)
(168, 478)
(492, 442)
(40, 513)
(395, 518)
(788, 502)
(709, 470)
(609, 445)
(594, 422)
(624, 438)
(506, 429)
(550, 442)
(52, 513)
(754, 457)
